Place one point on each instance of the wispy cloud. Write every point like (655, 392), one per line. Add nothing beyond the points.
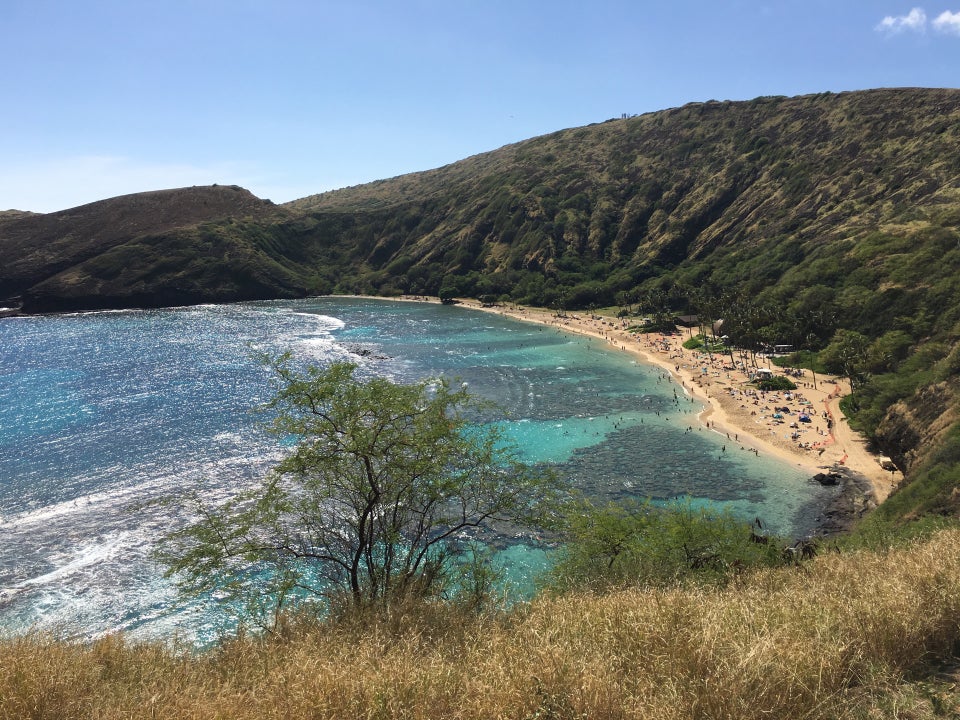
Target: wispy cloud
(914, 21)
(948, 22)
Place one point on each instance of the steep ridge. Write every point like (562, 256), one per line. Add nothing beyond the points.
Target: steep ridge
(723, 193)
(667, 188)
(57, 255)
(830, 222)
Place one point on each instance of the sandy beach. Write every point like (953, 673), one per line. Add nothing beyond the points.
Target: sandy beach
(762, 423)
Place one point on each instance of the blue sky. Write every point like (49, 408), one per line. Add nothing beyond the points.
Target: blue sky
(291, 97)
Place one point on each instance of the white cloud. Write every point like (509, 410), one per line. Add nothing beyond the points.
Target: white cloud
(948, 22)
(915, 20)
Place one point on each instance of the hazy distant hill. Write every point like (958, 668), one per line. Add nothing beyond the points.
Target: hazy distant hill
(126, 251)
(831, 222)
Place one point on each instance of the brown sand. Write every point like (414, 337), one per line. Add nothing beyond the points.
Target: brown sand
(733, 407)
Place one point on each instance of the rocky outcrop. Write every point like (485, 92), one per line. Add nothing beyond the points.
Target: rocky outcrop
(854, 499)
(912, 427)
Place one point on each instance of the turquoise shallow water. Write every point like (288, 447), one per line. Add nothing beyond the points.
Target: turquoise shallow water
(102, 412)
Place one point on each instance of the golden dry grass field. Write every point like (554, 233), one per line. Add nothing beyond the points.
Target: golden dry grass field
(851, 635)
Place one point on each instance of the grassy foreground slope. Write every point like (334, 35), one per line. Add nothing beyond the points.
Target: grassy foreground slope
(857, 635)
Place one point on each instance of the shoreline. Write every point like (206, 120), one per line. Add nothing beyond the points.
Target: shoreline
(728, 407)
(816, 448)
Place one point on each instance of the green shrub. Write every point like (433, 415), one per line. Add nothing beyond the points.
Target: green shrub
(777, 382)
(621, 545)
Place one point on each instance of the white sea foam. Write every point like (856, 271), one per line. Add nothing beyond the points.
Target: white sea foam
(320, 341)
(327, 321)
(48, 513)
(80, 559)
(155, 486)
(321, 348)
(121, 311)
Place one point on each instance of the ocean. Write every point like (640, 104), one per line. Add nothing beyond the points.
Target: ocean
(104, 414)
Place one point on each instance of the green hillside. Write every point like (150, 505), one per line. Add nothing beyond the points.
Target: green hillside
(830, 222)
(725, 193)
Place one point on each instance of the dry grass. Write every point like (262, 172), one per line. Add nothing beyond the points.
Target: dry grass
(850, 636)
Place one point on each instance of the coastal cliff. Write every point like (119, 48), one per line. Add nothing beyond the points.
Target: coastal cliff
(827, 222)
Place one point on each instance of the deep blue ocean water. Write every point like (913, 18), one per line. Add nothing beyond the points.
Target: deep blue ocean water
(103, 412)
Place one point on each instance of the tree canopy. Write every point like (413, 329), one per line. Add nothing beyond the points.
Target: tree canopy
(384, 484)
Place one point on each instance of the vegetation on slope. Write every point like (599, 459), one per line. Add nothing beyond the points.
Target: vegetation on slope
(799, 193)
(149, 249)
(849, 636)
(730, 194)
(829, 222)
